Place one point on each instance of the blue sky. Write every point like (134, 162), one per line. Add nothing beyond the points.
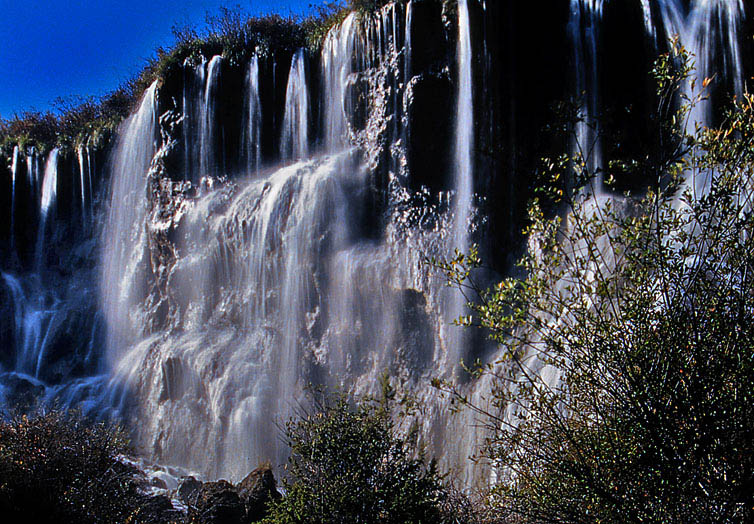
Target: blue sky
(77, 47)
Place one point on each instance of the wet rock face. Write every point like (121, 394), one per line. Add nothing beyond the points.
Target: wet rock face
(20, 392)
(228, 113)
(428, 34)
(66, 353)
(7, 329)
(429, 105)
(428, 100)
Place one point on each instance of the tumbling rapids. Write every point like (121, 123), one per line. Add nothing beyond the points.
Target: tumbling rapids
(263, 223)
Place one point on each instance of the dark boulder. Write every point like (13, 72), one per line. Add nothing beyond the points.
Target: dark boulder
(189, 490)
(219, 503)
(154, 509)
(256, 491)
(19, 392)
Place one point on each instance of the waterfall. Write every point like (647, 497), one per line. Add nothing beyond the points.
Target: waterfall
(246, 291)
(14, 172)
(338, 51)
(408, 44)
(253, 127)
(208, 122)
(463, 203)
(649, 25)
(272, 287)
(583, 28)
(218, 299)
(47, 201)
(123, 237)
(31, 171)
(710, 31)
(82, 176)
(194, 115)
(464, 146)
(90, 170)
(295, 139)
(34, 322)
(50, 182)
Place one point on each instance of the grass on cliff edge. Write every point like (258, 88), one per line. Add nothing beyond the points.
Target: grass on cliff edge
(231, 32)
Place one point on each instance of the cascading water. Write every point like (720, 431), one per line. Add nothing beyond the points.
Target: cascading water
(464, 182)
(208, 121)
(269, 287)
(295, 139)
(32, 170)
(338, 52)
(694, 29)
(649, 25)
(83, 175)
(464, 171)
(47, 201)
(34, 322)
(194, 115)
(50, 183)
(253, 127)
(14, 172)
(583, 28)
(91, 167)
(124, 233)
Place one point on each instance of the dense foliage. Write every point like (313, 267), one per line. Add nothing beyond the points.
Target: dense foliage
(348, 464)
(75, 120)
(627, 389)
(58, 468)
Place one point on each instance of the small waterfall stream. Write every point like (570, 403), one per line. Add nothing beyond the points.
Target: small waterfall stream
(338, 52)
(32, 169)
(583, 28)
(464, 173)
(253, 115)
(295, 139)
(14, 172)
(694, 28)
(208, 163)
(47, 201)
(124, 233)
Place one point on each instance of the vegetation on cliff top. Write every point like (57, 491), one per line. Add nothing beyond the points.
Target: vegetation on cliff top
(230, 32)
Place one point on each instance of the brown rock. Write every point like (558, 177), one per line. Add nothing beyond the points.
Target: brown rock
(256, 491)
(219, 503)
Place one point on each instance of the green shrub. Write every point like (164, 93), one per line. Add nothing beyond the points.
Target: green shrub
(627, 389)
(325, 17)
(349, 465)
